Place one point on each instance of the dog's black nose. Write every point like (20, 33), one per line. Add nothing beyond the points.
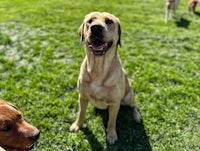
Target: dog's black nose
(35, 136)
(96, 29)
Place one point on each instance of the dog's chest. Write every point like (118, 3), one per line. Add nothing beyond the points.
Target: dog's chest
(100, 96)
(98, 103)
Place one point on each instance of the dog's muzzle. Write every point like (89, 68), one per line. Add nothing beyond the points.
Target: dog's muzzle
(99, 48)
(96, 44)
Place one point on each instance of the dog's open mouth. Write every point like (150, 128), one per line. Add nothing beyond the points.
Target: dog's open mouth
(25, 148)
(99, 47)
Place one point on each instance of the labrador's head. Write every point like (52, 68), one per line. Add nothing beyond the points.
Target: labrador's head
(100, 31)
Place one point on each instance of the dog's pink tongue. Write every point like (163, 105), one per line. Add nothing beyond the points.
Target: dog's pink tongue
(97, 46)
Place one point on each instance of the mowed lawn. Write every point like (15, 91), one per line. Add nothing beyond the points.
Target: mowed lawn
(40, 57)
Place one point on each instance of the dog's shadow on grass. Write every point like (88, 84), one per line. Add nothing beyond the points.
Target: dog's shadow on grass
(182, 22)
(197, 13)
(131, 135)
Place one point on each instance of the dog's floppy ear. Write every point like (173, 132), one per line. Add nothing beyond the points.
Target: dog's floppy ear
(81, 32)
(119, 33)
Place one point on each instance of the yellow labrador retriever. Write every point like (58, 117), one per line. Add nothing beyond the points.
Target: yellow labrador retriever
(102, 80)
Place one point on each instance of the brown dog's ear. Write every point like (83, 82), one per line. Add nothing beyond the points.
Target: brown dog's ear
(81, 32)
(119, 33)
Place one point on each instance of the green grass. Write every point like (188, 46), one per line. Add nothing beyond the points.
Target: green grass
(40, 57)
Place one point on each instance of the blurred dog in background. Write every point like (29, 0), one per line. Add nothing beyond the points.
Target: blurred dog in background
(171, 7)
(15, 133)
(192, 5)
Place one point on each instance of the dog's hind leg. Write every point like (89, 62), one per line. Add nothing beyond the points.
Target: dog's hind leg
(166, 13)
(129, 101)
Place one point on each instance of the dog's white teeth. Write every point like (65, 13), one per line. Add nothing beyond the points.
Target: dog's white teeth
(101, 47)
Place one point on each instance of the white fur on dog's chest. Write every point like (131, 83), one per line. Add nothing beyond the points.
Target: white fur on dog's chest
(98, 96)
(100, 104)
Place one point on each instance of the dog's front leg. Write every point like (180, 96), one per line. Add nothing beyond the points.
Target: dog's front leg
(174, 13)
(111, 127)
(83, 102)
(194, 6)
(166, 13)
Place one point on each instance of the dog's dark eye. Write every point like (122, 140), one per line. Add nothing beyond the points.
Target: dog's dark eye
(108, 21)
(19, 117)
(7, 128)
(89, 21)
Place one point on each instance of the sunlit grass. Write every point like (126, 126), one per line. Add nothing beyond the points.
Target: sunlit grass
(40, 57)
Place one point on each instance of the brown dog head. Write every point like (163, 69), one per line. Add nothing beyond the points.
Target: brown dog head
(15, 132)
(100, 31)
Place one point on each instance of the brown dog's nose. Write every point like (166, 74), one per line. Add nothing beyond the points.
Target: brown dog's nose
(96, 29)
(35, 136)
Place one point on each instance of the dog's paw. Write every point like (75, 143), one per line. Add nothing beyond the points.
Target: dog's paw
(74, 127)
(112, 137)
(136, 115)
